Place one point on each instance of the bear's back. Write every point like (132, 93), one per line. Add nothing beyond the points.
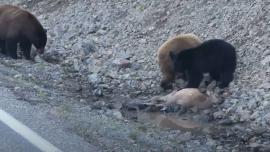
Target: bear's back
(9, 12)
(217, 45)
(180, 42)
(215, 53)
(217, 48)
(14, 19)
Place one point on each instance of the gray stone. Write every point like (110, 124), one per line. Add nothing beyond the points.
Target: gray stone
(88, 46)
(98, 92)
(99, 104)
(116, 105)
(53, 56)
(117, 114)
(122, 63)
(219, 115)
(94, 78)
(93, 28)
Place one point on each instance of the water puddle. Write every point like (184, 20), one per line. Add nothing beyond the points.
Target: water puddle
(169, 121)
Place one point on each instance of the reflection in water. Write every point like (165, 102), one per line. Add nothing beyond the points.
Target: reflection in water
(168, 121)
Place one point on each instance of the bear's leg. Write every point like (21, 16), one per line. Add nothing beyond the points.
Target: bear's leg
(194, 79)
(3, 47)
(26, 49)
(11, 48)
(225, 79)
(214, 75)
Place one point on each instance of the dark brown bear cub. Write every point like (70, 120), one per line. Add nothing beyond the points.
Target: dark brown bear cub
(216, 57)
(20, 26)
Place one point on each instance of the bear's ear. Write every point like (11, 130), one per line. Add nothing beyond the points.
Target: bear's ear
(172, 55)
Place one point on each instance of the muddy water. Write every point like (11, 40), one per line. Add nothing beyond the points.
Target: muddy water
(170, 121)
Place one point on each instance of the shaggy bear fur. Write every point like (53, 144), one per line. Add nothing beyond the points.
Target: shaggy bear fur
(176, 45)
(216, 57)
(20, 26)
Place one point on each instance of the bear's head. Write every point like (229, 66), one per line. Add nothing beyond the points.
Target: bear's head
(40, 41)
(179, 61)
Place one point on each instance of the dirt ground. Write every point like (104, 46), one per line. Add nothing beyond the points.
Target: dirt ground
(82, 77)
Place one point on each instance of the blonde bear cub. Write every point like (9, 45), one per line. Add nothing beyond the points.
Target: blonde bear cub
(175, 44)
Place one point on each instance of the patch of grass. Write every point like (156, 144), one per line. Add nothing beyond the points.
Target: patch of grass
(140, 8)
(41, 94)
(133, 135)
(142, 128)
(41, 67)
(64, 110)
(80, 131)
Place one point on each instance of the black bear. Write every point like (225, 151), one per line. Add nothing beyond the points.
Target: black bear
(20, 26)
(215, 56)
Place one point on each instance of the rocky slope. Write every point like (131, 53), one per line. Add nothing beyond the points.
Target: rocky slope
(100, 50)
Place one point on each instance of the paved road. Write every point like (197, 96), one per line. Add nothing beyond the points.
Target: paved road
(39, 120)
(13, 142)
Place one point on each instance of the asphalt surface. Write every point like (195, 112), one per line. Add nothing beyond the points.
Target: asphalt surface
(13, 142)
(38, 119)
